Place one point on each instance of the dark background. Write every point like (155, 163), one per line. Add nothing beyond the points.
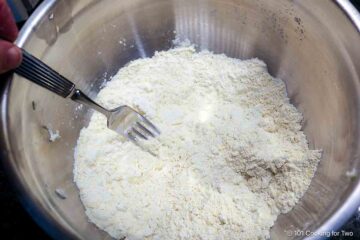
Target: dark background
(15, 223)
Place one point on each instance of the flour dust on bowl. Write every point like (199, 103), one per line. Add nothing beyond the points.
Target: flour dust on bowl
(311, 45)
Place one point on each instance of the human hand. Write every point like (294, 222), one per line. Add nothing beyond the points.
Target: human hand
(10, 55)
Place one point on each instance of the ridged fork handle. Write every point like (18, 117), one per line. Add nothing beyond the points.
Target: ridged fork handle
(38, 72)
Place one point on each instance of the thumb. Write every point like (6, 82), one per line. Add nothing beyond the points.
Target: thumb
(10, 56)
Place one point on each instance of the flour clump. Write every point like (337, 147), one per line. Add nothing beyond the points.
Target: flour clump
(230, 159)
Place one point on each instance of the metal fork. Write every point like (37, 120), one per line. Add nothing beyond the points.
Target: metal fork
(123, 120)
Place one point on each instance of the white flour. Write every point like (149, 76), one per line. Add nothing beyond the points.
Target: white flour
(230, 159)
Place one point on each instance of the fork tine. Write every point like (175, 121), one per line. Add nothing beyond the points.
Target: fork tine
(144, 129)
(131, 137)
(138, 133)
(152, 126)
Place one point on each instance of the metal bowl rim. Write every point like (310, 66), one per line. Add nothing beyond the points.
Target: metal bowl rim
(58, 231)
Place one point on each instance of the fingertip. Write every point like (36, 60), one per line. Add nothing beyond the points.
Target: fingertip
(10, 56)
(13, 57)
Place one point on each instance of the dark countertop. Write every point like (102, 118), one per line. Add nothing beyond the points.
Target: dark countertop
(16, 223)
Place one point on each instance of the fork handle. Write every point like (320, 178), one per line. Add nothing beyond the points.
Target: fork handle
(80, 97)
(38, 72)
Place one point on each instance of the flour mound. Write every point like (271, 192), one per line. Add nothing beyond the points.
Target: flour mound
(230, 159)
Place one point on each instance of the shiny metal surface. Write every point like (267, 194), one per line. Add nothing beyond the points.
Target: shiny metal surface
(312, 45)
(36, 71)
(124, 120)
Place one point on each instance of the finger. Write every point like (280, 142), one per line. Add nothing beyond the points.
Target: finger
(10, 56)
(8, 29)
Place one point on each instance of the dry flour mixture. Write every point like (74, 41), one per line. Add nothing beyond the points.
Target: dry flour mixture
(230, 159)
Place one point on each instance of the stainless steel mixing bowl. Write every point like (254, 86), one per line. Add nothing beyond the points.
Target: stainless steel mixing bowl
(314, 46)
